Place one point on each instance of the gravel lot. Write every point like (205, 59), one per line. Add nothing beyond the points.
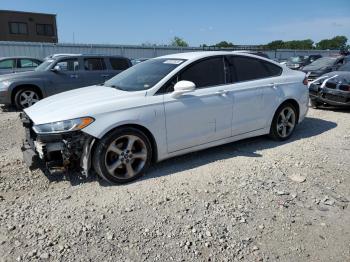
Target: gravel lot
(253, 200)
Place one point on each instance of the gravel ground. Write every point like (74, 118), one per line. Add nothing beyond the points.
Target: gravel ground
(253, 200)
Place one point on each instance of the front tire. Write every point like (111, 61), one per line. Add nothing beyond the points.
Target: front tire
(122, 155)
(26, 97)
(284, 122)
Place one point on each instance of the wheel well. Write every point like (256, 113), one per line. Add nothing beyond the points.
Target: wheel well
(149, 136)
(296, 106)
(17, 88)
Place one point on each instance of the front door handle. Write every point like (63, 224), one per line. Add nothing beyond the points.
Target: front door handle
(105, 75)
(221, 92)
(273, 85)
(74, 76)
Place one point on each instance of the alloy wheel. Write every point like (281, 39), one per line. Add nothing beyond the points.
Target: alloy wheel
(28, 98)
(286, 122)
(126, 156)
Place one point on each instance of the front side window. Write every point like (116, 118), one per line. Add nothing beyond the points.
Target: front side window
(28, 63)
(44, 29)
(119, 63)
(7, 64)
(209, 72)
(18, 28)
(71, 64)
(247, 68)
(94, 64)
(144, 75)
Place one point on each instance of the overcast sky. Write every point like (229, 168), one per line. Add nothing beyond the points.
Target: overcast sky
(198, 22)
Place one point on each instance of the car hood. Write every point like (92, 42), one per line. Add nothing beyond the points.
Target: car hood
(313, 68)
(86, 101)
(342, 76)
(22, 75)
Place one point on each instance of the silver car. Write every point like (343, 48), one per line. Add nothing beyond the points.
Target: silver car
(59, 73)
(9, 65)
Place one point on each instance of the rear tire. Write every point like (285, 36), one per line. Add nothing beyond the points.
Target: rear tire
(26, 97)
(284, 122)
(122, 155)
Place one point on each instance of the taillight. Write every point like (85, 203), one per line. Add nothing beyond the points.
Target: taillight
(305, 82)
(345, 87)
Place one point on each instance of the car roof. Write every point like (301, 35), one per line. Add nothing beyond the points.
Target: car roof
(203, 54)
(54, 56)
(19, 57)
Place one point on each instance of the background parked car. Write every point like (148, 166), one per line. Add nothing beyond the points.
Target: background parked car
(297, 62)
(322, 65)
(57, 74)
(9, 65)
(333, 89)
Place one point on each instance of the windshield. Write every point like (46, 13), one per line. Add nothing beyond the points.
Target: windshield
(143, 75)
(44, 65)
(296, 59)
(324, 62)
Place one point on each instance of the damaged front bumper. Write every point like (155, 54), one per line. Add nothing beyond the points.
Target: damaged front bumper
(61, 151)
(331, 96)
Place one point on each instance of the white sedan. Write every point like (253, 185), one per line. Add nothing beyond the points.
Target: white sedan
(164, 107)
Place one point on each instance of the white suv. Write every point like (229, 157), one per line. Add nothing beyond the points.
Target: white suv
(164, 107)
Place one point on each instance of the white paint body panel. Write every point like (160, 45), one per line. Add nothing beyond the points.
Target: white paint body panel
(200, 119)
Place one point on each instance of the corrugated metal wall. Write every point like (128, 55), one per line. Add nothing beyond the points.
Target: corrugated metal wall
(41, 50)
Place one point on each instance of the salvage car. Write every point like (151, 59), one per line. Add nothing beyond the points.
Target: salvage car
(331, 89)
(162, 108)
(322, 65)
(297, 62)
(9, 65)
(59, 73)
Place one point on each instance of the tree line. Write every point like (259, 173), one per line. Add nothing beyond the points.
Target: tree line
(335, 43)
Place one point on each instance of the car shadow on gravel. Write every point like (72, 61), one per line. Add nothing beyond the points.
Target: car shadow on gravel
(248, 147)
(5, 108)
(310, 127)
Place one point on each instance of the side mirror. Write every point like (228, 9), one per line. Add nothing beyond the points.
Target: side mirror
(183, 87)
(57, 68)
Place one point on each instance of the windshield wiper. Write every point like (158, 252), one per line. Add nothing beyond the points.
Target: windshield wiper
(113, 86)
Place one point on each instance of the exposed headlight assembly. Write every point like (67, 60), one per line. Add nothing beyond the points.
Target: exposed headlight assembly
(63, 126)
(4, 85)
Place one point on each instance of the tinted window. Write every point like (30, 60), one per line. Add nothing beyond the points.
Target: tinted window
(119, 63)
(27, 63)
(209, 72)
(71, 64)
(6, 64)
(94, 64)
(246, 68)
(274, 70)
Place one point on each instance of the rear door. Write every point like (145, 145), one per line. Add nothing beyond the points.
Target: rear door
(95, 71)
(253, 94)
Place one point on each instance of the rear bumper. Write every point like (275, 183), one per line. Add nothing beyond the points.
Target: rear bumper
(329, 96)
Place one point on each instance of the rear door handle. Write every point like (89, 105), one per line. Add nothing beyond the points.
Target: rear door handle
(273, 85)
(74, 76)
(105, 75)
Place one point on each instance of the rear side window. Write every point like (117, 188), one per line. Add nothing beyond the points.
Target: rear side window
(7, 64)
(209, 72)
(119, 63)
(94, 64)
(246, 68)
(28, 63)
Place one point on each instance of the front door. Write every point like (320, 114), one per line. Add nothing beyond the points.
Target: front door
(69, 77)
(204, 115)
